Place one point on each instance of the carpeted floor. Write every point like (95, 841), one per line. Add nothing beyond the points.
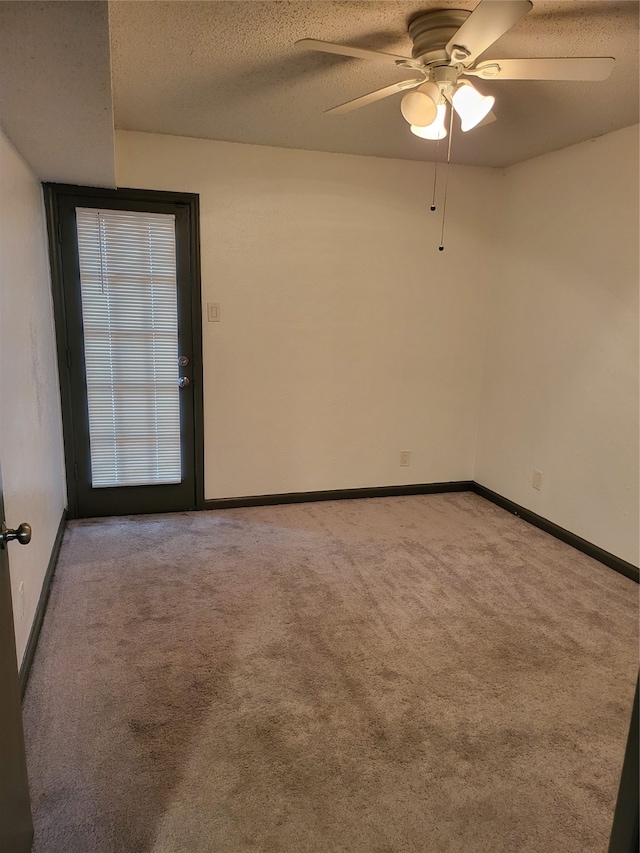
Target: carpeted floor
(423, 674)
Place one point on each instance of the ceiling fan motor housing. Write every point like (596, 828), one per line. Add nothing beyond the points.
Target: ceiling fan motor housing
(430, 32)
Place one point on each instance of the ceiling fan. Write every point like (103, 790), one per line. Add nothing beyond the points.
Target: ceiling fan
(447, 44)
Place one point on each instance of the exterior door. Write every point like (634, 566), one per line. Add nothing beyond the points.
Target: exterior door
(127, 304)
(16, 827)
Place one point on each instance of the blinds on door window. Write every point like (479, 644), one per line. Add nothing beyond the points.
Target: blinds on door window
(129, 312)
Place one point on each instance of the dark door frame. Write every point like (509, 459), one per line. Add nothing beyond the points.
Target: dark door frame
(16, 824)
(625, 831)
(54, 197)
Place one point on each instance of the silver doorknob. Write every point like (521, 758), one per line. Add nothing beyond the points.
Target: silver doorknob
(183, 382)
(22, 533)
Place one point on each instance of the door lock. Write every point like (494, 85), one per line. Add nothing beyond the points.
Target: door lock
(183, 382)
(22, 534)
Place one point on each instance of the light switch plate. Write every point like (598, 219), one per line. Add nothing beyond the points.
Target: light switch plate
(213, 312)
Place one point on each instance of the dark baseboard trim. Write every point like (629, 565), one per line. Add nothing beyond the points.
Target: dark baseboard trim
(616, 563)
(38, 618)
(341, 494)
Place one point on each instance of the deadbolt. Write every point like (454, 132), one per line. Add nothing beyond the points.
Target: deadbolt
(22, 533)
(183, 361)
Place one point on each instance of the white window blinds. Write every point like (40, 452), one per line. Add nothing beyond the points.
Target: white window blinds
(129, 311)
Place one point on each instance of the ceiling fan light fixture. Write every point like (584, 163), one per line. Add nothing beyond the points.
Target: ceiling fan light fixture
(470, 105)
(419, 107)
(436, 130)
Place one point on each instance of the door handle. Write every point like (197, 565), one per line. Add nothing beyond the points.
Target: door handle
(183, 382)
(22, 534)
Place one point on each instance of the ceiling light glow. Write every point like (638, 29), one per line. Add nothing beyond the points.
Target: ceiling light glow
(470, 105)
(436, 130)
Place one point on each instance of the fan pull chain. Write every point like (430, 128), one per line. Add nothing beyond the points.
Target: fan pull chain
(435, 177)
(446, 180)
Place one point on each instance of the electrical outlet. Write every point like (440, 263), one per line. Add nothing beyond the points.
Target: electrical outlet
(21, 594)
(537, 480)
(405, 458)
(213, 312)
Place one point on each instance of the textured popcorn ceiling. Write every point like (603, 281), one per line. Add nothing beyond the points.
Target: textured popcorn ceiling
(230, 71)
(55, 89)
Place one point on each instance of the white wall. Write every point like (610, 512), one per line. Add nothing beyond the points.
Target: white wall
(31, 457)
(346, 336)
(561, 376)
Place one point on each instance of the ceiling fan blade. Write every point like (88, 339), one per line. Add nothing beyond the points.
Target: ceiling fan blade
(378, 95)
(488, 119)
(347, 50)
(488, 21)
(565, 68)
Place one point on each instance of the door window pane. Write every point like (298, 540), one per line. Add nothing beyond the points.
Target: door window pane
(129, 312)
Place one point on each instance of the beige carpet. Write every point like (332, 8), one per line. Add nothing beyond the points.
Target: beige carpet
(401, 674)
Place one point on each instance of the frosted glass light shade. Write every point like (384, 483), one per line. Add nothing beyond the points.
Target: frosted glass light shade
(436, 130)
(419, 107)
(471, 106)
